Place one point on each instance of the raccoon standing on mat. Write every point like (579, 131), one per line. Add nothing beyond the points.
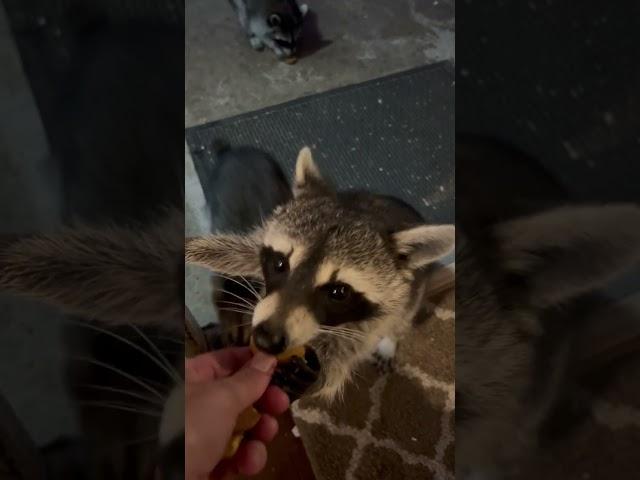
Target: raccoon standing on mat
(245, 186)
(275, 24)
(343, 272)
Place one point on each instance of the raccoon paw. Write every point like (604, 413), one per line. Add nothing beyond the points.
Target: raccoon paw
(383, 364)
(256, 44)
(384, 355)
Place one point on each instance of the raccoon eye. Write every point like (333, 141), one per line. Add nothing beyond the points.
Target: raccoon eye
(280, 264)
(339, 292)
(274, 20)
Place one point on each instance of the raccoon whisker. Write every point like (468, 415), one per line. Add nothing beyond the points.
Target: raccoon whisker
(246, 283)
(132, 345)
(236, 325)
(350, 332)
(342, 335)
(251, 287)
(227, 302)
(345, 331)
(244, 300)
(248, 288)
(224, 309)
(352, 335)
(333, 332)
(124, 391)
(122, 373)
(347, 337)
(125, 408)
(163, 359)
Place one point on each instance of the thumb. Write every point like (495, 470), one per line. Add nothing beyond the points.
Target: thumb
(249, 383)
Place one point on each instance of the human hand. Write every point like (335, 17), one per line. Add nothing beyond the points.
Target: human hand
(219, 385)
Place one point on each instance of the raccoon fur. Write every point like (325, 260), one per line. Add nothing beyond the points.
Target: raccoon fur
(245, 186)
(275, 24)
(342, 271)
(525, 275)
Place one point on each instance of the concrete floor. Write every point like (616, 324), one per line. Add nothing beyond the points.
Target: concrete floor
(363, 39)
(369, 38)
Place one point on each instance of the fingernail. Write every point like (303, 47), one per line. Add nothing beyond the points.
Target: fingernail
(263, 362)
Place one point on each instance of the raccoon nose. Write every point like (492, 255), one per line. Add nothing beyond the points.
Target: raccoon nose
(270, 338)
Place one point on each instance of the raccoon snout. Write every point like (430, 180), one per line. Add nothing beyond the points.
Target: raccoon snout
(270, 338)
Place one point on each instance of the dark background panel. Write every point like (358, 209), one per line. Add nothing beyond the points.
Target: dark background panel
(104, 85)
(559, 80)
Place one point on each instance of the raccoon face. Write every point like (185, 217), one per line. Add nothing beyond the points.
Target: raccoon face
(337, 276)
(511, 288)
(285, 24)
(319, 278)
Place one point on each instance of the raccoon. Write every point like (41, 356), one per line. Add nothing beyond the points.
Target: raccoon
(524, 300)
(275, 24)
(245, 185)
(343, 271)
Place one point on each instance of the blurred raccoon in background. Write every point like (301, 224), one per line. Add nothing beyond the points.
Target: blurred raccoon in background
(529, 264)
(245, 187)
(275, 24)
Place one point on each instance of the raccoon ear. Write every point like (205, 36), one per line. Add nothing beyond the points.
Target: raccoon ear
(226, 254)
(304, 9)
(568, 251)
(308, 179)
(425, 244)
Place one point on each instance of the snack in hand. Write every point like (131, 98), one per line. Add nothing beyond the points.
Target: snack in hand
(250, 417)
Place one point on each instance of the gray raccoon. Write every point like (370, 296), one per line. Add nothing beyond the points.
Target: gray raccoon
(518, 323)
(246, 186)
(342, 271)
(275, 24)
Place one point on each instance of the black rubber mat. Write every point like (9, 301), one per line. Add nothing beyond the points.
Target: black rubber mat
(558, 82)
(392, 135)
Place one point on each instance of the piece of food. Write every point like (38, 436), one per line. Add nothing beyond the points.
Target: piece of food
(290, 60)
(250, 417)
(285, 356)
(290, 353)
(247, 420)
(233, 445)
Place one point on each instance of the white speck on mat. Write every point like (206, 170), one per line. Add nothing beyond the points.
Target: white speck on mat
(414, 439)
(380, 101)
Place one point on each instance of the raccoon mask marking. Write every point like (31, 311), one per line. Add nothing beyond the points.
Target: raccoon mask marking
(341, 270)
(275, 24)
